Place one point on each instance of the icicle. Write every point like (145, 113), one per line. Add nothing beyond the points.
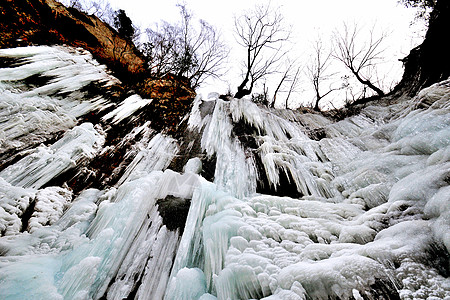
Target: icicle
(156, 156)
(44, 164)
(126, 108)
(235, 170)
(72, 68)
(217, 133)
(157, 270)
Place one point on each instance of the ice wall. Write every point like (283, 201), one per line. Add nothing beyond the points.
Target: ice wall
(373, 219)
(101, 242)
(41, 93)
(365, 212)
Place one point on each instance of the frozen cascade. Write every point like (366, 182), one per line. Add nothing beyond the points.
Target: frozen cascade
(45, 163)
(297, 206)
(96, 243)
(234, 170)
(344, 240)
(31, 111)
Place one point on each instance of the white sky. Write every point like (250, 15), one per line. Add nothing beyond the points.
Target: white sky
(306, 17)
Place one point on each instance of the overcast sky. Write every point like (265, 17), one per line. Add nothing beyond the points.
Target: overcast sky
(307, 18)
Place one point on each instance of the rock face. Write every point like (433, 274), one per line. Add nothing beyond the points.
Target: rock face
(429, 62)
(47, 22)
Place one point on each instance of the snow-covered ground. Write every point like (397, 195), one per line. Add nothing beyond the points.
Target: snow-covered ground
(370, 218)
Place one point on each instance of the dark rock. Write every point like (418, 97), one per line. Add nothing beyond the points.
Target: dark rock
(317, 134)
(174, 211)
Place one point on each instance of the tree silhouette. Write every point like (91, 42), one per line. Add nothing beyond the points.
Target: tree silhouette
(262, 33)
(360, 57)
(194, 51)
(124, 25)
(318, 72)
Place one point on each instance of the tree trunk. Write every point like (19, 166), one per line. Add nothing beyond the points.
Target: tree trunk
(241, 91)
(318, 98)
(429, 62)
(368, 84)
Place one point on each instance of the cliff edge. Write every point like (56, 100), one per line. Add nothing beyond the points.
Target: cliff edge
(48, 22)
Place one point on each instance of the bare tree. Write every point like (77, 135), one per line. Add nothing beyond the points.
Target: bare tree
(182, 50)
(262, 33)
(318, 72)
(161, 49)
(100, 8)
(293, 86)
(209, 53)
(288, 81)
(360, 58)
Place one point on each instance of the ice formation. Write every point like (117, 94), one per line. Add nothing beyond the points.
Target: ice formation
(296, 206)
(126, 108)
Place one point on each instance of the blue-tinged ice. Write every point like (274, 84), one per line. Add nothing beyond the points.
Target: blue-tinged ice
(373, 215)
(47, 162)
(383, 201)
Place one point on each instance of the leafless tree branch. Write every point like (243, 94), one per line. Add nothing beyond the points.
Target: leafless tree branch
(262, 33)
(182, 50)
(359, 58)
(318, 73)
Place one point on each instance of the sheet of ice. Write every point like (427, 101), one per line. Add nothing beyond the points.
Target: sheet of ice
(235, 169)
(31, 113)
(192, 254)
(157, 270)
(45, 163)
(103, 243)
(72, 69)
(189, 283)
(126, 108)
(284, 147)
(153, 155)
(376, 228)
(151, 252)
(373, 220)
(266, 122)
(197, 119)
(190, 251)
(93, 243)
(49, 205)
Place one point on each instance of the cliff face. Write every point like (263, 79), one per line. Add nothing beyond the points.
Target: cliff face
(47, 22)
(249, 203)
(429, 62)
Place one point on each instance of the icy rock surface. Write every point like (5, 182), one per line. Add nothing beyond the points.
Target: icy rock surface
(97, 243)
(365, 211)
(41, 93)
(373, 219)
(126, 108)
(45, 163)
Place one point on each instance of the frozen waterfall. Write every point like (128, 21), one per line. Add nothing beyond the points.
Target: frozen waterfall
(267, 204)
